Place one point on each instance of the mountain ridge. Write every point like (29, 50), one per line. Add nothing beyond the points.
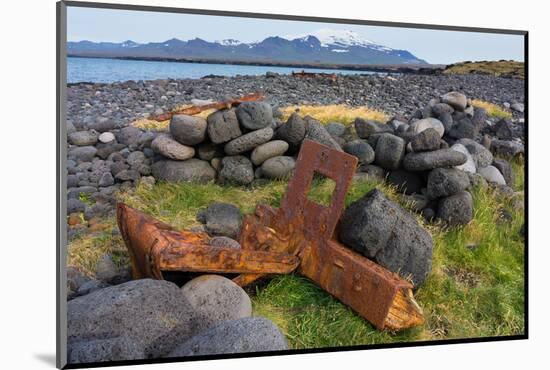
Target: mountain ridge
(322, 46)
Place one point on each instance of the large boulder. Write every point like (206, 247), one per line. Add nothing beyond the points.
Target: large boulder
(361, 149)
(188, 130)
(254, 115)
(153, 313)
(280, 167)
(268, 150)
(457, 209)
(443, 182)
(456, 100)
(103, 124)
(223, 126)
(429, 160)
(236, 169)
(217, 299)
(164, 144)
(423, 124)
(248, 141)
(221, 219)
(293, 131)
(381, 230)
(251, 334)
(192, 169)
(389, 151)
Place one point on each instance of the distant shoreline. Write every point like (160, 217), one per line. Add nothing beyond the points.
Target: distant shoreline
(398, 68)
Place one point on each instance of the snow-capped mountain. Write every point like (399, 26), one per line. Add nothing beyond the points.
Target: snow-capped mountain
(328, 37)
(321, 47)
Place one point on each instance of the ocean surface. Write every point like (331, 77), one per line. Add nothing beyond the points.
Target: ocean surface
(111, 70)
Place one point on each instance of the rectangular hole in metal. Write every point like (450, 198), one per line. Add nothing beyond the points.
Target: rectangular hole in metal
(321, 190)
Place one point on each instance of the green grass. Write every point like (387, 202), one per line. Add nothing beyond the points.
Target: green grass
(475, 288)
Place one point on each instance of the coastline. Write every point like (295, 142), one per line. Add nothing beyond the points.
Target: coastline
(427, 69)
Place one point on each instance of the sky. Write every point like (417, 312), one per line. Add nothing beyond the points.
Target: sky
(434, 46)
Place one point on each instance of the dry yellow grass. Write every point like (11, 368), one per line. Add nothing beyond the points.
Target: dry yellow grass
(335, 113)
(493, 110)
(149, 124)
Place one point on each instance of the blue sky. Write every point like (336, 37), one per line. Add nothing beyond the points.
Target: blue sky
(434, 46)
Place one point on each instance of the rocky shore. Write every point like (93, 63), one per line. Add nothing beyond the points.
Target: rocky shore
(397, 94)
(435, 149)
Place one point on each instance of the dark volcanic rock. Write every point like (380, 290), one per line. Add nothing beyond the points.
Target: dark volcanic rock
(315, 131)
(361, 149)
(223, 126)
(153, 313)
(251, 334)
(254, 115)
(248, 141)
(383, 231)
(463, 129)
(457, 209)
(189, 170)
(389, 151)
(426, 140)
(236, 170)
(364, 128)
(221, 219)
(188, 130)
(418, 126)
(443, 182)
(293, 131)
(506, 170)
(429, 160)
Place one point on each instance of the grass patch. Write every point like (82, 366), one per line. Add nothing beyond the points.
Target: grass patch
(496, 68)
(492, 110)
(335, 113)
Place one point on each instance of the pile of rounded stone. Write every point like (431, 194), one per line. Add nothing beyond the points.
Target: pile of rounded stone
(437, 155)
(236, 146)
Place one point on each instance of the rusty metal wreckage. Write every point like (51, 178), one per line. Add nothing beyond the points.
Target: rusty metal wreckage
(297, 237)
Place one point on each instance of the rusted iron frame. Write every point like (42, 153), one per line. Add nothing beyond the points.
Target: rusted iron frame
(196, 109)
(297, 236)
